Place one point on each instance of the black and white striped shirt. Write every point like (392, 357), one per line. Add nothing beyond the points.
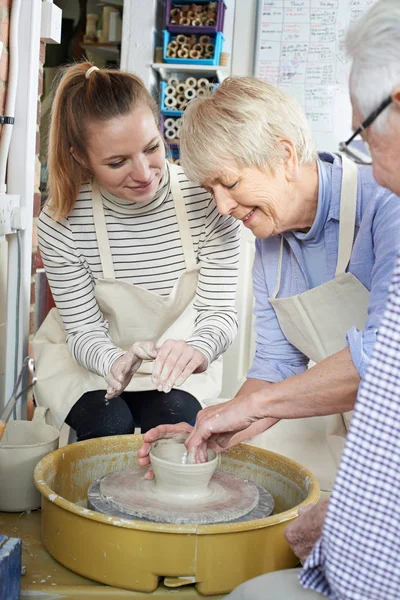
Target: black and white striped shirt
(146, 250)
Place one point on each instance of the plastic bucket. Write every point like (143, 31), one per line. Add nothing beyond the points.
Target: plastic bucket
(23, 445)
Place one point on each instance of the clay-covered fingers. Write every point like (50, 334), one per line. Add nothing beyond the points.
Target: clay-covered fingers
(121, 373)
(145, 350)
(176, 361)
(155, 434)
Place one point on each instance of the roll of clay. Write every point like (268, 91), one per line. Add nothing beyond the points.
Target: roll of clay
(190, 93)
(203, 83)
(185, 47)
(175, 13)
(210, 48)
(195, 54)
(199, 48)
(183, 53)
(210, 22)
(170, 134)
(173, 45)
(207, 55)
(204, 40)
(192, 41)
(170, 91)
(180, 39)
(180, 100)
(191, 82)
(169, 123)
(171, 54)
(173, 82)
(178, 123)
(180, 88)
(202, 92)
(185, 21)
(196, 23)
(191, 15)
(170, 102)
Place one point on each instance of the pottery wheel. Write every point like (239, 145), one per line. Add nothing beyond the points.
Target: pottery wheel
(127, 494)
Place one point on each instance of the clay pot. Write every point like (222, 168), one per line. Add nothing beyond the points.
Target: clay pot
(173, 478)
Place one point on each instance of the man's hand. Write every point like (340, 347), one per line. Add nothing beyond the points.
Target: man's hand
(306, 530)
(176, 361)
(126, 366)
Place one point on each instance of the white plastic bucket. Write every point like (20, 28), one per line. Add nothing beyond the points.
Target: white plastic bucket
(23, 444)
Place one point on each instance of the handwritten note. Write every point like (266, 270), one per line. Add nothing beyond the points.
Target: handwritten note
(300, 48)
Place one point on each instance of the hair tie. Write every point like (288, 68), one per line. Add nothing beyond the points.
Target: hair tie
(87, 74)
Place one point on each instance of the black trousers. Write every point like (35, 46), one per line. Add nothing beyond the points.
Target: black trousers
(94, 416)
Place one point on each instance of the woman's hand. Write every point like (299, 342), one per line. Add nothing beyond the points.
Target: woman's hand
(176, 361)
(126, 366)
(227, 424)
(159, 433)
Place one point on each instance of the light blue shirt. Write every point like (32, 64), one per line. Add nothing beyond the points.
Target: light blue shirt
(313, 242)
(372, 261)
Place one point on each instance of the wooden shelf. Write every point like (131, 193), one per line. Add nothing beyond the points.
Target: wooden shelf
(114, 3)
(165, 70)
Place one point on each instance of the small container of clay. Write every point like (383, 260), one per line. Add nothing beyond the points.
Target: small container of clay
(177, 11)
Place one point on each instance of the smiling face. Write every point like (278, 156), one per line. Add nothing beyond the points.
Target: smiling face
(126, 155)
(267, 201)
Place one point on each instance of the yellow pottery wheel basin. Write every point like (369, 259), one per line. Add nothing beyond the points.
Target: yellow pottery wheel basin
(134, 554)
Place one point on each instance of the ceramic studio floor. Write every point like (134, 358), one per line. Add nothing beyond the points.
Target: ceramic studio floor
(46, 579)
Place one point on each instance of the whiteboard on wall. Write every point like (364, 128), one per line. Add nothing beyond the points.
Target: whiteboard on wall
(300, 48)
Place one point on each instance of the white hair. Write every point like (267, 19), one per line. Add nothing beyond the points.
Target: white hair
(242, 123)
(373, 43)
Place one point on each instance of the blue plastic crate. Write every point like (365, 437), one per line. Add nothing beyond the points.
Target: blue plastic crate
(217, 40)
(167, 111)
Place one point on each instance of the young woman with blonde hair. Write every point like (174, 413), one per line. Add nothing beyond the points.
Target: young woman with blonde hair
(141, 266)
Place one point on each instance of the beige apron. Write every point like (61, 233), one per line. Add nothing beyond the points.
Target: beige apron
(316, 322)
(133, 314)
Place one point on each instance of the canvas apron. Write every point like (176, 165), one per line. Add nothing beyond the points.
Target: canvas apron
(316, 322)
(133, 314)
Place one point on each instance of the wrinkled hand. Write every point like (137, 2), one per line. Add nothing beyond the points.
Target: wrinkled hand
(126, 366)
(155, 434)
(306, 530)
(175, 362)
(227, 424)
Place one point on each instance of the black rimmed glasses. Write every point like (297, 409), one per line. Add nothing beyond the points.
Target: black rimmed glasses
(352, 151)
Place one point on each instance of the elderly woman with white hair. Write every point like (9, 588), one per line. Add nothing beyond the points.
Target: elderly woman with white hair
(327, 238)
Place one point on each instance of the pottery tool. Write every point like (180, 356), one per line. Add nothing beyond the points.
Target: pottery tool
(28, 365)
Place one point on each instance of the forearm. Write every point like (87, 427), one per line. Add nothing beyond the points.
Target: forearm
(94, 350)
(214, 332)
(330, 387)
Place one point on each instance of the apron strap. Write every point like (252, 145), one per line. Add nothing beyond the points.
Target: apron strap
(278, 281)
(183, 222)
(101, 233)
(347, 220)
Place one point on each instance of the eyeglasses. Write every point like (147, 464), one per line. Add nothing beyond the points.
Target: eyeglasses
(351, 151)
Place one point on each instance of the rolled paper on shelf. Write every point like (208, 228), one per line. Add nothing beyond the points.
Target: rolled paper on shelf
(203, 83)
(185, 21)
(180, 39)
(190, 93)
(173, 81)
(202, 92)
(170, 134)
(191, 82)
(192, 41)
(185, 47)
(203, 15)
(210, 48)
(175, 13)
(204, 40)
(168, 123)
(183, 53)
(185, 8)
(180, 99)
(173, 45)
(178, 123)
(210, 22)
(170, 101)
(208, 55)
(191, 15)
(198, 47)
(170, 90)
(180, 88)
(171, 54)
(195, 54)
(196, 23)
